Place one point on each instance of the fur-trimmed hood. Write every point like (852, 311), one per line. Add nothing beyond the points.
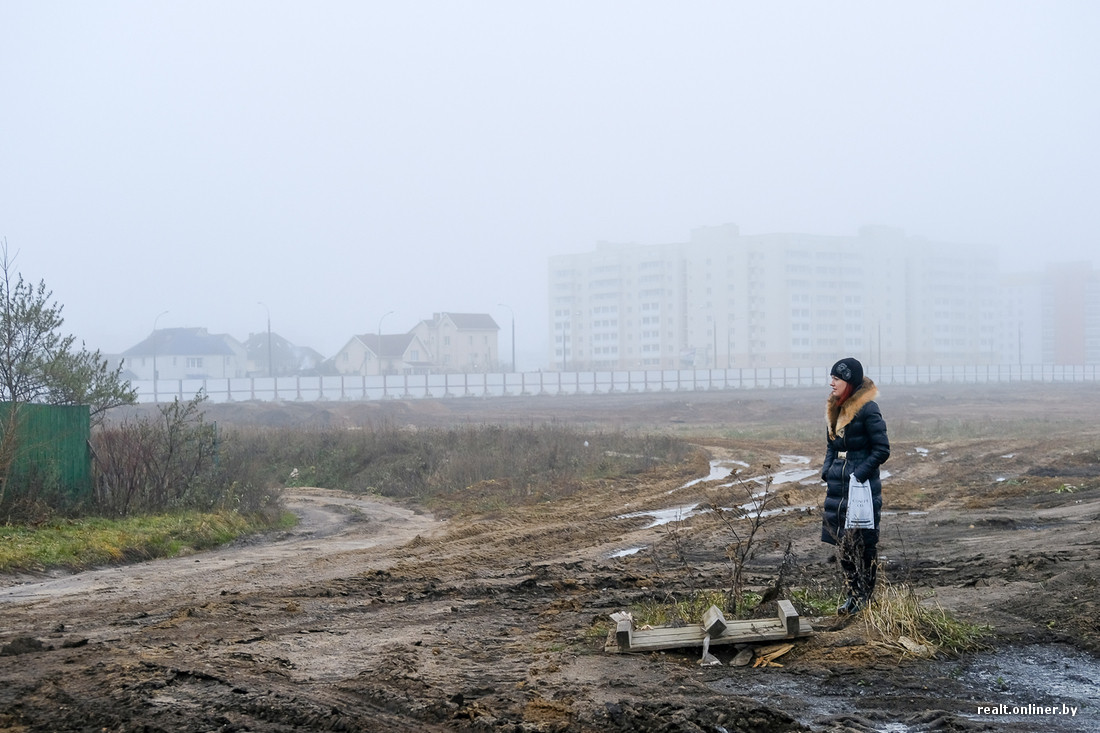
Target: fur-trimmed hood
(837, 417)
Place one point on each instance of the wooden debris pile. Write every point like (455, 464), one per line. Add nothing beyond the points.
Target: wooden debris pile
(714, 630)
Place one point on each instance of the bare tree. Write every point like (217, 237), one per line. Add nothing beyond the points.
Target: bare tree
(40, 365)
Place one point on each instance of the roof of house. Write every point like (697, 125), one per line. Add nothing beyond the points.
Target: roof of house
(392, 344)
(466, 321)
(181, 342)
(282, 350)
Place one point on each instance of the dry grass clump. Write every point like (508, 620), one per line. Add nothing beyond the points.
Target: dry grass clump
(900, 618)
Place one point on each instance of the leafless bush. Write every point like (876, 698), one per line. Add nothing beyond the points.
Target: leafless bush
(744, 521)
(167, 462)
(178, 458)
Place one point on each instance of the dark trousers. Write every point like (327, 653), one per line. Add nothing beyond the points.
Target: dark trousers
(858, 559)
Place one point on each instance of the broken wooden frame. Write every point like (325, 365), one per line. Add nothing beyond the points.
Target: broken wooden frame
(788, 625)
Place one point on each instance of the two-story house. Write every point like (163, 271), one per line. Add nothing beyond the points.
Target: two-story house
(461, 342)
(372, 354)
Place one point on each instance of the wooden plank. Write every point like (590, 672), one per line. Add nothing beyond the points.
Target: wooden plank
(624, 630)
(752, 630)
(714, 623)
(788, 617)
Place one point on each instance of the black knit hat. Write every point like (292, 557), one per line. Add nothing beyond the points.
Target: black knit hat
(850, 370)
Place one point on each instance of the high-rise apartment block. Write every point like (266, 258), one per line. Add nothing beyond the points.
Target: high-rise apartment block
(727, 300)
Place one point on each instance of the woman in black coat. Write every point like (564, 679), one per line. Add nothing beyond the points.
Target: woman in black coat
(856, 445)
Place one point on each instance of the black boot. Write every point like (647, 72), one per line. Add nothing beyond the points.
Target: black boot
(853, 584)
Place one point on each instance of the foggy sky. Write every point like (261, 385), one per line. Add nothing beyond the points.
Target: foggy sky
(340, 160)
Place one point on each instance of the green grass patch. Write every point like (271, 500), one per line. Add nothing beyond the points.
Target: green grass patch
(79, 544)
(819, 601)
(690, 609)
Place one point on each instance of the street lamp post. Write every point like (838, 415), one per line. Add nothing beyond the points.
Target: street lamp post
(502, 305)
(270, 368)
(155, 375)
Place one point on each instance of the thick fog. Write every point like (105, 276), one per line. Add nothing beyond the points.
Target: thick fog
(330, 163)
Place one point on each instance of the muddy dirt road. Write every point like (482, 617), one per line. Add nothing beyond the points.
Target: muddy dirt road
(372, 616)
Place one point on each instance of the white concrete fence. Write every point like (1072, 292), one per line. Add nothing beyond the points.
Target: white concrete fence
(427, 386)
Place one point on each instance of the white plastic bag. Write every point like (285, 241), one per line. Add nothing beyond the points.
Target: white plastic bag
(861, 511)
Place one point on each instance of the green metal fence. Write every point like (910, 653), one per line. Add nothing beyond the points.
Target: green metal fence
(47, 446)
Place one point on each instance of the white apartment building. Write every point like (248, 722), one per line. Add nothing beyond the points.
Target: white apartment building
(727, 300)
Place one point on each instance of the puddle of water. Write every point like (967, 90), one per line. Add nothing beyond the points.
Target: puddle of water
(1043, 676)
(718, 470)
(665, 516)
(793, 475)
(626, 552)
(1034, 684)
(722, 469)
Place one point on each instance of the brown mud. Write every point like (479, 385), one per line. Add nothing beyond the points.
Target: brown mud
(373, 616)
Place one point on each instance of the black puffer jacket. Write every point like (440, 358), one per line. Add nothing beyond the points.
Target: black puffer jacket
(857, 428)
